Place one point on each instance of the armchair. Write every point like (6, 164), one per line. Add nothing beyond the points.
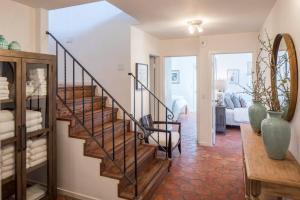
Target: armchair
(165, 139)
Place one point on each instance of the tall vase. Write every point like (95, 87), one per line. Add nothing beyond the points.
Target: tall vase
(276, 134)
(257, 113)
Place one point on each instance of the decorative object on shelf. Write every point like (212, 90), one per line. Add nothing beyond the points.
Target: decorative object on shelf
(257, 113)
(276, 135)
(233, 76)
(175, 77)
(275, 131)
(14, 45)
(141, 71)
(3, 43)
(220, 86)
(284, 73)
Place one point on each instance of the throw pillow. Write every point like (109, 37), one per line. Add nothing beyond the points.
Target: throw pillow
(243, 102)
(235, 100)
(228, 102)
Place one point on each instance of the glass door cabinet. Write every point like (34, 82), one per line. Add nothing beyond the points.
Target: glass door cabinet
(27, 126)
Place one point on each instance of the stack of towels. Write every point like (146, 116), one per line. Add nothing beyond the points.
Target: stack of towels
(36, 152)
(37, 84)
(34, 120)
(4, 91)
(7, 124)
(7, 161)
(35, 192)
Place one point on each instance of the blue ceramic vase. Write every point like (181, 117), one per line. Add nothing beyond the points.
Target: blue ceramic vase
(257, 113)
(276, 135)
(3, 43)
(14, 45)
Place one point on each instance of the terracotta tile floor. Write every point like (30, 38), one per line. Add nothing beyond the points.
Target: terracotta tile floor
(205, 173)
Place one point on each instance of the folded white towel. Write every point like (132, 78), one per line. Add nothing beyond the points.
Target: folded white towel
(7, 168)
(35, 192)
(39, 161)
(6, 115)
(34, 128)
(8, 162)
(2, 83)
(7, 126)
(7, 156)
(7, 149)
(31, 114)
(7, 174)
(3, 91)
(38, 149)
(3, 87)
(4, 136)
(4, 98)
(38, 142)
(38, 156)
(3, 78)
(34, 122)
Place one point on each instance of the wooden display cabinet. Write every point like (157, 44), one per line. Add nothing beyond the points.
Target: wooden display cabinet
(27, 125)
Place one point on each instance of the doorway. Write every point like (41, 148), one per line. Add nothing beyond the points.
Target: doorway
(232, 72)
(180, 89)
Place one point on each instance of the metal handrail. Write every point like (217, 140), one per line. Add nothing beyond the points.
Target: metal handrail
(171, 114)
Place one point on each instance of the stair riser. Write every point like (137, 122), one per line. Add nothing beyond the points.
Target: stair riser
(141, 164)
(88, 91)
(63, 112)
(92, 148)
(79, 132)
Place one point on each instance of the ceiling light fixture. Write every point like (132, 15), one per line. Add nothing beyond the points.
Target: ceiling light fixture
(195, 25)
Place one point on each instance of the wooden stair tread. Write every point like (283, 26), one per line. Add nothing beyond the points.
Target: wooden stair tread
(86, 99)
(97, 152)
(143, 152)
(146, 179)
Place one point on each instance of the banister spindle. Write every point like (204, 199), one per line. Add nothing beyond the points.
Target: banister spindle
(92, 89)
(113, 127)
(135, 160)
(65, 76)
(73, 87)
(167, 134)
(142, 104)
(124, 141)
(102, 116)
(82, 85)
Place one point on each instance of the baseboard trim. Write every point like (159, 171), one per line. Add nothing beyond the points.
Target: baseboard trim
(205, 144)
(75, 195)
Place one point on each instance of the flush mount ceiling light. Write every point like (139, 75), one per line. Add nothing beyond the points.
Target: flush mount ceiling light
(195, 25)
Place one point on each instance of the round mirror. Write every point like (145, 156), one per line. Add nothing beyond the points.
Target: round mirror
(285, 75)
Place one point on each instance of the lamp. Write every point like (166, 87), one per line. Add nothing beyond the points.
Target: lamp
(220, 86)
(195, 25)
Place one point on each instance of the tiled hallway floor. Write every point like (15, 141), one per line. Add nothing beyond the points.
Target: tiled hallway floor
(205, 173)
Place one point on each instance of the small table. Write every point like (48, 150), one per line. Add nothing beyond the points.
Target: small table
(220, 119)
(280, 178)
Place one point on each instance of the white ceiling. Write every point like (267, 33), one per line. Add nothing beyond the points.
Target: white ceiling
(167, 18)
(53, 4)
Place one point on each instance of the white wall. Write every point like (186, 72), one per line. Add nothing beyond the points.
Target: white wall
(24, 24)
(98, 35)
(230, 43)
(284, 18)
(142, 46)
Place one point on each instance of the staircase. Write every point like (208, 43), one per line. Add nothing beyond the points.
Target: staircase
(109, 133)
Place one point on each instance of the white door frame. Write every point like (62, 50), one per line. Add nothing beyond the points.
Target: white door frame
(211, 55)
(163, 82)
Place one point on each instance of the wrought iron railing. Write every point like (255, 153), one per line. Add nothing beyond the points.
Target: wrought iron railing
(70, 72)
(155, 105)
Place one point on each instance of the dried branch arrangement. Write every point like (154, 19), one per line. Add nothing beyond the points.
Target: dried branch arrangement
(261, 89)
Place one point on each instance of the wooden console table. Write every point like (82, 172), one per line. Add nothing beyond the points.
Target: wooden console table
(262, 174)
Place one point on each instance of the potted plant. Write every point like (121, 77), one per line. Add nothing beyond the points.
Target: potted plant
(275, 130)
